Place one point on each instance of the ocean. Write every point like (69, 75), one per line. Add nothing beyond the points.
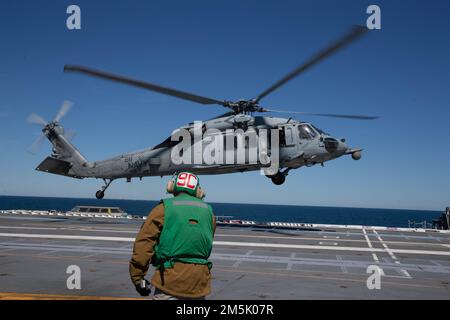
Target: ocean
(257, 212)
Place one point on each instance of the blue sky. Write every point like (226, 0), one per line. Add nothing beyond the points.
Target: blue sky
(229, 50)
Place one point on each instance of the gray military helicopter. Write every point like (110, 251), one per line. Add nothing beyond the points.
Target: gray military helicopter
(300, 143)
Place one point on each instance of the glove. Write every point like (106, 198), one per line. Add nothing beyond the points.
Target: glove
(143, 288)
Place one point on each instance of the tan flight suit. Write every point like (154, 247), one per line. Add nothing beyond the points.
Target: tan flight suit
(183, 280)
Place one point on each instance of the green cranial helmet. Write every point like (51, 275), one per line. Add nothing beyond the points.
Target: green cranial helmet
(186, 182)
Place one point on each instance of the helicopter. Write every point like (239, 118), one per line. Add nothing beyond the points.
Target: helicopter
(298, 143)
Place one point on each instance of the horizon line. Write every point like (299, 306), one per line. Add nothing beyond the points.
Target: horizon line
(237, 203)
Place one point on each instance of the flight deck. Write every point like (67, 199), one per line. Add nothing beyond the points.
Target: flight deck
(250, 261)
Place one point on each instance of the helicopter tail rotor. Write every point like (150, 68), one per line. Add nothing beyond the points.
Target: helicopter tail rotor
(63, 110)
(36, 145)
(34, 118)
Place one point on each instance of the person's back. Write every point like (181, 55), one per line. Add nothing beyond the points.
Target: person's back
(177, 239)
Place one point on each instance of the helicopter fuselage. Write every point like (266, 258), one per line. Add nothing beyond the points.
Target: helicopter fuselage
(299, 144)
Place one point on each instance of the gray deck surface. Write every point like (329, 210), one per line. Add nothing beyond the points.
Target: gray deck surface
(248, 263)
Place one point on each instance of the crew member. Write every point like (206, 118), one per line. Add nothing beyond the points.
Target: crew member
(177, 240)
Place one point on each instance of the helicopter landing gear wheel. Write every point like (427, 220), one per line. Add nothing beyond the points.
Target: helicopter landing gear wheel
(278, 179)
(99, 194)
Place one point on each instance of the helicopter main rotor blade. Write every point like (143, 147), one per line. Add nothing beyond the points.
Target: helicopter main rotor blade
(354, 34)
(63, 110)
(142, 84)
(332, 115)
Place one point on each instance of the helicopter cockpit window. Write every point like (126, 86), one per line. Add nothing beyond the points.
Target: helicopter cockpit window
(319, 130)
(306, 132)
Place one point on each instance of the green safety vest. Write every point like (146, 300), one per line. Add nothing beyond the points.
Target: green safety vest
(187, 234)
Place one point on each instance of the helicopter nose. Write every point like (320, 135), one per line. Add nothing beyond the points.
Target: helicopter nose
(342, 147)
(334, 146)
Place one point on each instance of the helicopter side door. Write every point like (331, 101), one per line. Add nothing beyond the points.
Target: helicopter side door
(290, 147)
(288, 135)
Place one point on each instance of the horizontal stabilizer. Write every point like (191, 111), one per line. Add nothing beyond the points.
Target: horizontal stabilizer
(56, 166)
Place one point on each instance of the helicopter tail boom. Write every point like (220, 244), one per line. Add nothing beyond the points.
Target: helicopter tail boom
(66, 159)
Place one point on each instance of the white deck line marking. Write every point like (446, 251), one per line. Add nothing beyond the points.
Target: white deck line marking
(226, 243)
(325, 238)
(47, 252)
(406, 273)
(72, 229)
(375, 257)
(386, 247)
(290, 264)
(238, 262)
(30, 228)
(331, 243)
(343, 267)
(12, 242)
(65, 237)
(436, 263)
(92, 255)
(301, 261)
(6, 250)
(389, 251)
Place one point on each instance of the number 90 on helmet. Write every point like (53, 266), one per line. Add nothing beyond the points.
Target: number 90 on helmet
(186, 182)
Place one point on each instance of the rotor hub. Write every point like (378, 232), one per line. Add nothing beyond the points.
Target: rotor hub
(244, 106)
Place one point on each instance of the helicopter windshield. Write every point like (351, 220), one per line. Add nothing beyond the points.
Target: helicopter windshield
(306, 132)
(319, 130)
